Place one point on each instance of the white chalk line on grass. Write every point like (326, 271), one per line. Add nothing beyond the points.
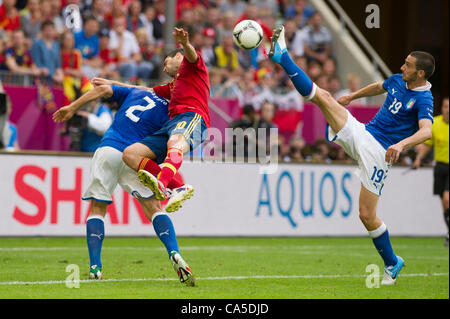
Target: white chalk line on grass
(55, 282)
(301, 250)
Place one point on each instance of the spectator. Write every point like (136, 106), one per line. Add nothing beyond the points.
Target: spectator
(134, 21)
(99, 9)
(226, 54)
(196, 38)
(334, 86)
(159, 6)
(248, 119)
(299, 11)
(353, 85)
(248, 86)
(9, 140)
(129, 65)
(186, 21)
(98, 119)
(229, 89)
(266, 7)
(266, 122)
(109, 57)
(71, 58)
(323, 82)
(87, 42)
(3, 48)
(314, 70)
(249, 124)
(295, 38)
(18, 58)
(213, 17)
(342, 156)
(31, 21)
(296, 145)
(147, 49)
(226, 28)
(187, 5)
(321, 151)
(46, 53)
(329, 67)
(9, 17)
(199, 14)
(266, 93)
(51, 10)
(318, 39)
(151, 24)
(289, 98)
(207, 47)
(215, 79)
(75, 82)
(236, 7)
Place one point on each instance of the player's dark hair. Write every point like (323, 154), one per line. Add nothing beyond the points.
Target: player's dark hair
(173, 53)
(424, 61)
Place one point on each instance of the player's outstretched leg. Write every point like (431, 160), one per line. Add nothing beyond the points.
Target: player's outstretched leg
(335, 114)
(278, 53)
(95, 233)
(166, 233)
(380, 236)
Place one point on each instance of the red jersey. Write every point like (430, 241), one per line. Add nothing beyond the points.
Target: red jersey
(189, 91)
(71, 59)
(8, 23)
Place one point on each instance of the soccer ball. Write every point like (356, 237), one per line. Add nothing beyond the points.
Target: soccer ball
(247, 34)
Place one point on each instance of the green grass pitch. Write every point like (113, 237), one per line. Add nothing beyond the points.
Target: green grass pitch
(250, 268)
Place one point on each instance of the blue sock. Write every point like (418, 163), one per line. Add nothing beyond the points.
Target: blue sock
(300, 79)
(166, 233)
(380, 238)
(95, 233)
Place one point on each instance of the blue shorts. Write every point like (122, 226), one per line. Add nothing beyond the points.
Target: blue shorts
(190, 124)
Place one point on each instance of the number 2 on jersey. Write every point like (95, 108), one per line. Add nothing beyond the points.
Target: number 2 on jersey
(129, 112)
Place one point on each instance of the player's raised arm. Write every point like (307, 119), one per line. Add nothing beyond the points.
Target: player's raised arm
(424, 133)
(370, 90)
(101, 81)
(182, 37)
(66, 112)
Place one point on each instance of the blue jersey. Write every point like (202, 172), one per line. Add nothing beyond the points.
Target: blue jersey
(399, 116)
(141, 113)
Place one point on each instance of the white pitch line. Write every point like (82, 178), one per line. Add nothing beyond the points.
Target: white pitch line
(53, 282)
(301, 250)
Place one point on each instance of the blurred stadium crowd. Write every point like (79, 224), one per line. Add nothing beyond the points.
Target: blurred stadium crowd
(123, 40)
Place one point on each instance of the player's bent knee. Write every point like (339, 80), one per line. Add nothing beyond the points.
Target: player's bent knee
(322, 96)
(131, 158)
(178, 141)
(366, 215)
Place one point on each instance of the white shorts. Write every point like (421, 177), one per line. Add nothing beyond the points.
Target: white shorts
(366, 150)
(107, 171)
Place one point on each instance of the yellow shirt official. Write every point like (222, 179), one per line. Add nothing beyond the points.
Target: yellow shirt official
(440, 139)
